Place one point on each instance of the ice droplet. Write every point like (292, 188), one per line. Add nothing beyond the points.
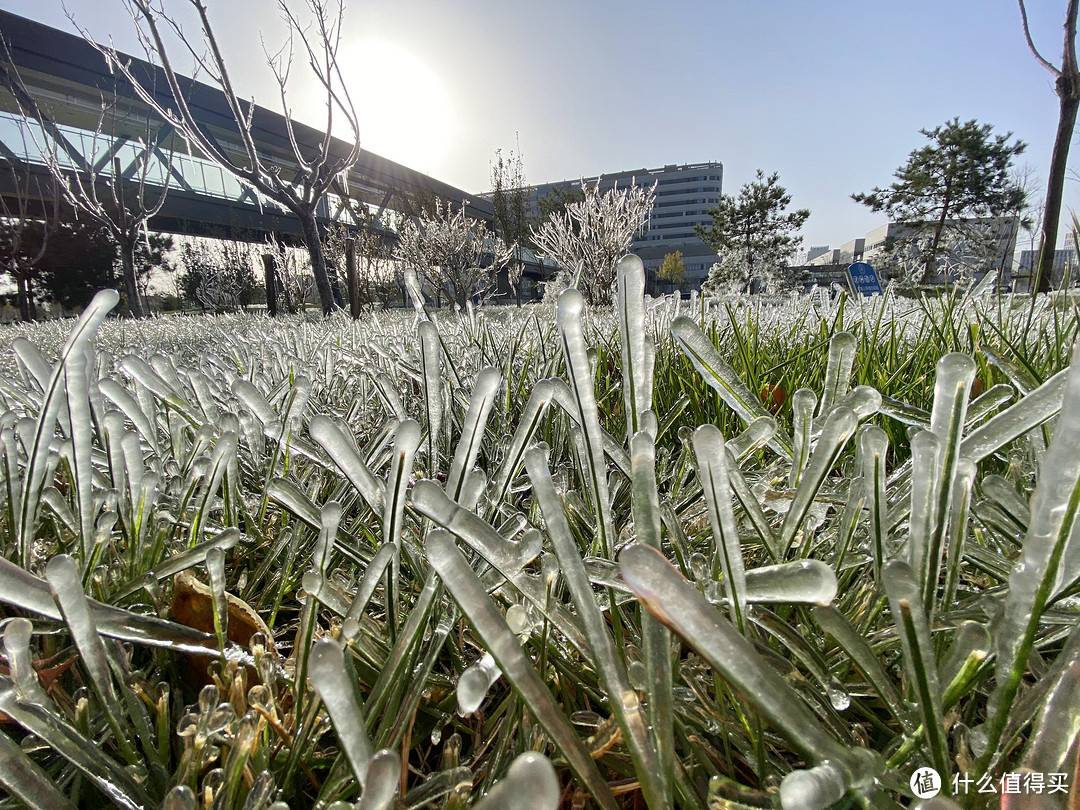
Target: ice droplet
(436, 734)
(474, 683)
(518, 620)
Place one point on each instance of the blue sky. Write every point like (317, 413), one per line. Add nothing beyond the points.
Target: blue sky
(831, 94)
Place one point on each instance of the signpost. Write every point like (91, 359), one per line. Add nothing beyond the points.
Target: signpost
(864, 279)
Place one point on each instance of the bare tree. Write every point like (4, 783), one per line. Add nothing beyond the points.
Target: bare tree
(510, 198)
(589, 237)
(123, 199)
(24, 237)
(298, 186)
(451, 251)
(376, 270)
(1067, 87)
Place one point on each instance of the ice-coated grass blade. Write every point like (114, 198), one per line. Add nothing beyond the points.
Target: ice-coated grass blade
(751, 505)
(81, 421)
(655, 637)
(839, 427)
(331, 438)
(431, 375)
(1057, 726)
(849, 639)
(955, 373)
(810, 582)
(21, 777)
(568, 316)
(815, 788)
(504, 647)
(215, 569)
(905, 599)
(530, 784)
(129, 405)
(383, 779)
(504, 556)
(925, 476)
(678, 604)
(65, 583)
(723, 379)
(637, 355)
(566, 400)
(873, 446)
(484, 393)
(225, 540)
(114, 782)
(406, 442)
(539, 399)
(802, 415)
(224, 451)
(38, 451)
(960, 509)
(25, 591)
(842, 347)
(622, 700)
(331, 679)
(369, 582)
(1024, 415)
(1055, 506)
(711, 457)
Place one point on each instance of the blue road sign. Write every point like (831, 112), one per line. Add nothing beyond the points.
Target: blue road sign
(864, 279)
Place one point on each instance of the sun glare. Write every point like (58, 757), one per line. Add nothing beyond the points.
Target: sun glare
(404, 110)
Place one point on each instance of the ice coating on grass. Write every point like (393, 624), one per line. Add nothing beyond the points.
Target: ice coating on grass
(872, 445)
(38, 450)
(326, 668)
(637, 359)
(839, 427)
(472, 431)
(23, 779)
(1022, 416)
(535, 408)
(904, 589)
(925, 470)
(812, 789)
(624, 701)
(1049, 553)
(342, 451)
(721, 377)
(81, 424)
(803, 402)
(568, 314)
(842, 348)
(677, 603)
(530, 784)
(431, 376)
(469, 593)
(711, 458)
(215, 568)
(803, 581)
(382, 782)
(474, 683)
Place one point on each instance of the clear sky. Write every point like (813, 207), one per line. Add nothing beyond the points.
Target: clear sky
(829, 93)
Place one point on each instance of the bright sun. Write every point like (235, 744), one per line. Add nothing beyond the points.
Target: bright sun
(405, 112)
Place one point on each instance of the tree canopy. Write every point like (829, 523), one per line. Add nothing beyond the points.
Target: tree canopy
(756, 226)
(964, 172)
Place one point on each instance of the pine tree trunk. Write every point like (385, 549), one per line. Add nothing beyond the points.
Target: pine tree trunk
(1068, 88)
(318, 262)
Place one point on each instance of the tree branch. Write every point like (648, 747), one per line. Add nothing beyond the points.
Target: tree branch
(1031, 44)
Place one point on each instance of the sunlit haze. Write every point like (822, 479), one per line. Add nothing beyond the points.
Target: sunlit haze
(830, 94)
